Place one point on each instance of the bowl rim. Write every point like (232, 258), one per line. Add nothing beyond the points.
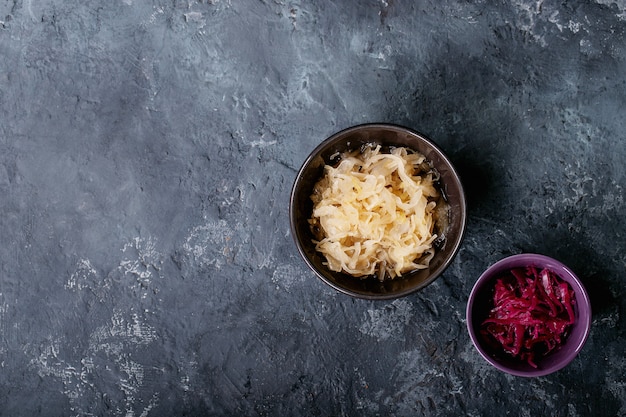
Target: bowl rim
(524, 259)
(441, 155)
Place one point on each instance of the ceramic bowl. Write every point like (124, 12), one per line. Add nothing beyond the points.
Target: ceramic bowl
(480, 302)
(354, 138)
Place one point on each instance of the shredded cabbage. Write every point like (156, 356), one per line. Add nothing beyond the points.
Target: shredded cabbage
(375, 213)
(531, 315)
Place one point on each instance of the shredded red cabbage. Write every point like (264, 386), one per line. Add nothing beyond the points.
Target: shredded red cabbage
(532, 313)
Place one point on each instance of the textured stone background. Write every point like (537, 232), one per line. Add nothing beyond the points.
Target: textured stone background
(147, 152)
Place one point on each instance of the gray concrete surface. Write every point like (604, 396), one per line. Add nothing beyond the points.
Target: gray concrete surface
(147, 151)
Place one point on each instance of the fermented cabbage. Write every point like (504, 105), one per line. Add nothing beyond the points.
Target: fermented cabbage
(533, 311)
(374, 213)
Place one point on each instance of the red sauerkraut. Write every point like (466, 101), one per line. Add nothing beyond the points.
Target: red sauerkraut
(531, 314)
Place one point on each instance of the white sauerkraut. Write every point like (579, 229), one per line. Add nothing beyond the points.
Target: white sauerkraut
(374, 213)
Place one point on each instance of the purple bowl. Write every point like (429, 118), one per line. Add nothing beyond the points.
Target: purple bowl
(480, 301)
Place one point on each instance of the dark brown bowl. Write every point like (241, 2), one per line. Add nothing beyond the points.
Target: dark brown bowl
(387, 135)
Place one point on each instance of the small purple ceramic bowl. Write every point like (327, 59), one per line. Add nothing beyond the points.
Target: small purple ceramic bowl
(480, 301)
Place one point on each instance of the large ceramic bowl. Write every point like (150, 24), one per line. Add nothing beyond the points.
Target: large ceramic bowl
(481, 301)
(354, 138)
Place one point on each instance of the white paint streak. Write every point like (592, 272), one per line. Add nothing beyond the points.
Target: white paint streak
(262, 144)
(29, 8)
(4, 308)
(361, 45)
(76, 380)
(615, 378)
(580, 185)
(110, 347)
(585, 132)
(79, 279)
(574, 27)
(141, 262)
(529, 12)
(144, 262)
(415, 378)
(184, 383)
(193, 17)
(366, 404)
(158, 11)
(286, 275)
(120, 333)
(203, 240)
(620, 4)
(388, 321)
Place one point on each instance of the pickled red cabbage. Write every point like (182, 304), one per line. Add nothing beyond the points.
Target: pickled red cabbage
(531, 315)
